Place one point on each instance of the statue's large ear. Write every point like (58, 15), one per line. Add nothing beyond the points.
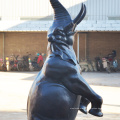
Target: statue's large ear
(81, 15)
(60, 12)
(78, 18)
(61, 16)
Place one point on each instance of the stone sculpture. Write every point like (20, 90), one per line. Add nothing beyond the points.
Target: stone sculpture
(57, 90)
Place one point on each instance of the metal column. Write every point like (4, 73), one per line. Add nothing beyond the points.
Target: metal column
(85, 46)
(3, 48)
(78, 40)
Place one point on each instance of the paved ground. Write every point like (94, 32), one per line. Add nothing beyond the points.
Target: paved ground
(14, 88)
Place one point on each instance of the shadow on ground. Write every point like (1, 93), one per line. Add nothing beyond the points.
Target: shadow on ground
(93, 78)
(13, 115)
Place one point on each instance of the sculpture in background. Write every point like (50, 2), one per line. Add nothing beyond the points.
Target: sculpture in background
(57, 90)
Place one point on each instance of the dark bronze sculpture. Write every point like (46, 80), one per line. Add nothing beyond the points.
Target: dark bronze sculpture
(57, 90)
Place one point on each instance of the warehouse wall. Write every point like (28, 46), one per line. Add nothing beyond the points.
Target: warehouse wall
(1, 45)
(96, 9)
(99, 44)
(21, 43)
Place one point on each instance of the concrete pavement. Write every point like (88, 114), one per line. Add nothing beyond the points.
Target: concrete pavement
(14, 89)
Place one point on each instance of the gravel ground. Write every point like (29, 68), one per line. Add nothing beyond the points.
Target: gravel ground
(14, 88)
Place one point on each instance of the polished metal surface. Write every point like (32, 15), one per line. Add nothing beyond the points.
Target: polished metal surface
(57, 90)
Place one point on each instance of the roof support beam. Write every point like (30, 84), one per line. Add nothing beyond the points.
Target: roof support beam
(3, 48)
(78, 40)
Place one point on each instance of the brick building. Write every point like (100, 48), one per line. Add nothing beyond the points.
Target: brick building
(24, 25)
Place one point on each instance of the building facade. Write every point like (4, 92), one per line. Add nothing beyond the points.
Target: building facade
(24, 25)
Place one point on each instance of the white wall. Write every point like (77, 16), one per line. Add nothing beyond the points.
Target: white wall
(96, 9)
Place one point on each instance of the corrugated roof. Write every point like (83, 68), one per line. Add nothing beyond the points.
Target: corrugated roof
(86, 25)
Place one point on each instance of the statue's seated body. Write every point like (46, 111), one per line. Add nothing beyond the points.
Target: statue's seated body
(57, 90)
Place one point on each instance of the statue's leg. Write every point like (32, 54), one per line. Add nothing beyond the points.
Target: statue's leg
(77, 85)
(95, 99)
(83, 105)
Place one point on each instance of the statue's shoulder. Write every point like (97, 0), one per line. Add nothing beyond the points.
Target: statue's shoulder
(55, 66)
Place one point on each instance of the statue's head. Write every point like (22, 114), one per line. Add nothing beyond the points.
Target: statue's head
(63, 26)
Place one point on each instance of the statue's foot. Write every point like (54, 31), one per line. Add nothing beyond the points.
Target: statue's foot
(96, 112)
(83, 105)
(83, 109)
(96, 107)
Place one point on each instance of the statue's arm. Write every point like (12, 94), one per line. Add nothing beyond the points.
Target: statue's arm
(77, 85)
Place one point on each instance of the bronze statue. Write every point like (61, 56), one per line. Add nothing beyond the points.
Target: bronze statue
(57, 90)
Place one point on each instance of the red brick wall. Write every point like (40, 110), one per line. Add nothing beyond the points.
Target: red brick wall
(1, 46)
(21, 43)
(99, 44)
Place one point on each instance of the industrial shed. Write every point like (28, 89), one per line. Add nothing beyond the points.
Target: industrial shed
(24, 26)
